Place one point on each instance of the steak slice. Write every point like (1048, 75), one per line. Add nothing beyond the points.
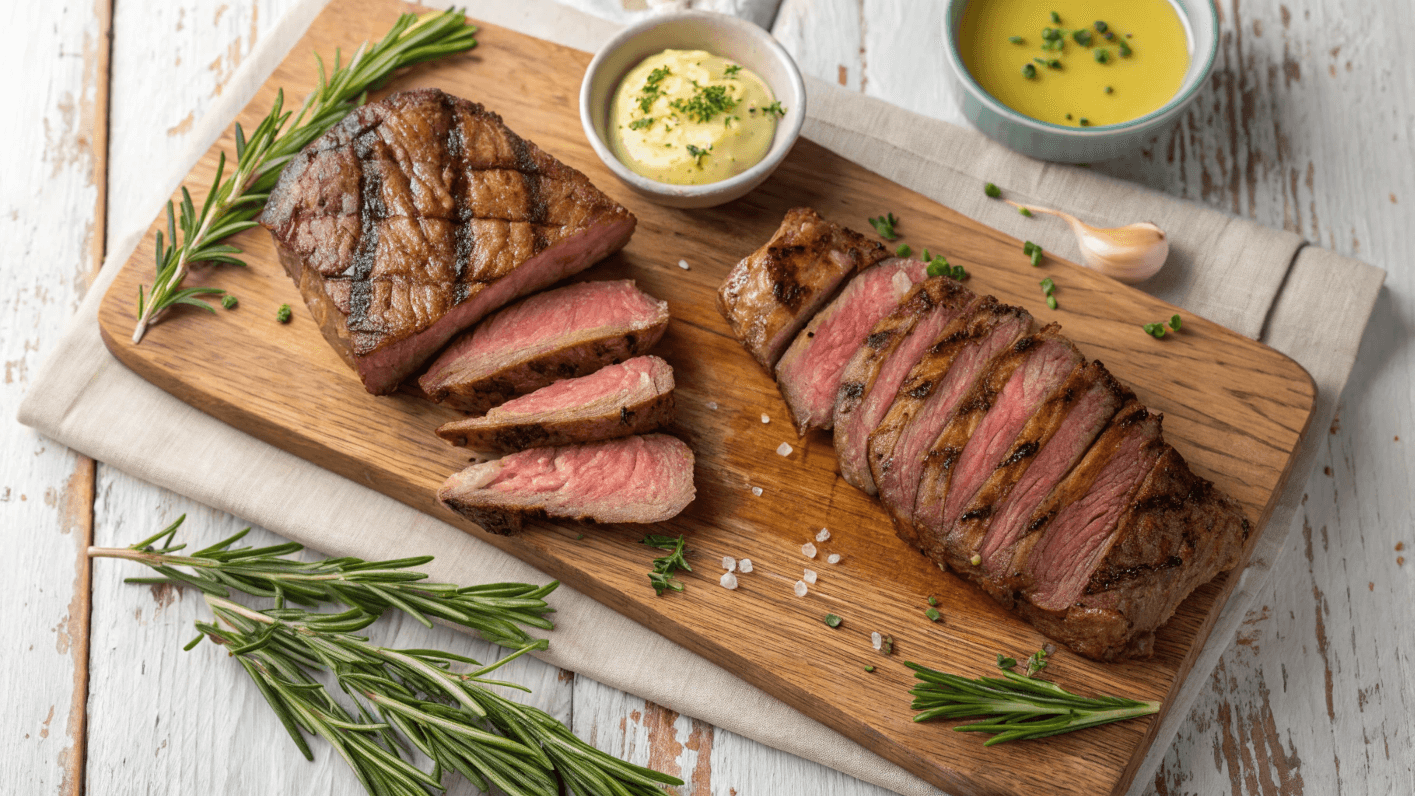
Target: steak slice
(809, 373)
(873, 375)
(417, 215)
(558, 334)
(982, 430)
(1046, 449)
(927, 398)
(634, 397)
(631, 479)
(1177, 533)
(772, 292)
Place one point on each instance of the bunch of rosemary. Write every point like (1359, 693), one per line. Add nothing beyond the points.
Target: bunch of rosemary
(403, 698)
(232, 204)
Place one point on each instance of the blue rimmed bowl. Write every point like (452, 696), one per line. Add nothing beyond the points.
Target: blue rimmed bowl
(1055, 142)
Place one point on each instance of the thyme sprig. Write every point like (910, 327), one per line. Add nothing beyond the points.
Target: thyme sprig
(233, 202)
(1016, 706)
(661, 578)
(496, 610)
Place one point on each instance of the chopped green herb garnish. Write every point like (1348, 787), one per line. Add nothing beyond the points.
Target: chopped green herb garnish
(975, 560)
(933, 600)
(1034, 251)
(1005, 663)
(884, 225)
(229, 302)
(579, 536)
(1102, 55)
(661, 578)
(639, 124)
(1051, 34)
(992, 190)
(1055, 18)
(1109, 90)
(1016, 39)
(706, 103)
(1125, 49)
(1175, 322)
(1037, 662)
(939, 267)
(925, 256)
(1051, 302)
(283, 314)
(1048, 286)
(1085, 122)
(651, 90)
(869, 668)
(832, 620)
(1029, 71)
(887, 645)
(732, 70)
(1053, 64)
(903, 250)
(933, 615)
(1024, 211)
(698, 153)
(1083, 37)
(1101, 26)
(775, 109)
(1155, 330)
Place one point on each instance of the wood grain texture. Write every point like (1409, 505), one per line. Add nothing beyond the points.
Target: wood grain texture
(277, 378)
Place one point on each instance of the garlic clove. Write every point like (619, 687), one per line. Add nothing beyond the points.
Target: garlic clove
(1128, 254)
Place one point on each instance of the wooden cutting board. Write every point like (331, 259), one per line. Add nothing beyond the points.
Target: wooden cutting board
(1235, 408)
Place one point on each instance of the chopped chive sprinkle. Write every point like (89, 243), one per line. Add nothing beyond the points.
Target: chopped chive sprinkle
(1109, 90)
(925, 256)
(1175, 322)
(1101, 26)
(1102, 55)
(1048, 286)
(1051, 34)
(1051, 302)
(1155, 330)
(933, 600)
(1029, 71)
(1024, 211)
(992, 190)
(1004, 662)
(832, 620)
(933, 615)
(229, 302)
(903, 250)
(283, 314)
(1083, 37)
(1124, 49)
(1054, 64)
(1085, 122)
(1056, 18)
(939, 266)
(884, 225)
(1068, 117)
(1015, 39)
(869, 668)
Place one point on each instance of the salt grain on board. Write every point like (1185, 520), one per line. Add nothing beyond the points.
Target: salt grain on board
(800, 588)
(810, 577)
(766, 418)
(756, 490)
(728, 580)
(784, 449)
(833, 558)
(729, 563)
(745, 565)
(808, 550)
(683, 264)
(712, 405)
(876, 640)
(823, 535)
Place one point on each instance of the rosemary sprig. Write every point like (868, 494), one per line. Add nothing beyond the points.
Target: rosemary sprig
(496, 610)
(1016, 707)
(232, 204)
(661, 578)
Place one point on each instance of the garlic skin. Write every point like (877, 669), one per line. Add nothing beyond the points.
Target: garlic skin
(1128, 254)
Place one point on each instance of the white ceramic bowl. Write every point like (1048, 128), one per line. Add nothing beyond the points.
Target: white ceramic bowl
(727, 36)
(1086, 144)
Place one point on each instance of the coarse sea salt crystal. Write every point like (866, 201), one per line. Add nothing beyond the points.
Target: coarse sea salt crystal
(808, 550)
(766, 418)
(810, 577)
(833, 558)
(745, 565)
(823, 534)
(876, 640)
(784, 449)
(902, 283)
(712, 405)
(800, 588)
(756, 490)
(729, 563)
(683, 264)
(728, 580)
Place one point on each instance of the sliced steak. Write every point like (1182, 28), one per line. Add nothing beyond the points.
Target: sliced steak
(418, 214)
(634, 397)
(631, 479)
(808, 374)
(927, 398)
(1048, 446)
(982, 429)
(1176, 534)
(873, 375)
(558, 334)
(774, 291)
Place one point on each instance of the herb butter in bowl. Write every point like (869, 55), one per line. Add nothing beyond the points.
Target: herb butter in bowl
(692, 109)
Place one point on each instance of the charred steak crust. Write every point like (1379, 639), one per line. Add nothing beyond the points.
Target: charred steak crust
(416, 215)
(774, 291)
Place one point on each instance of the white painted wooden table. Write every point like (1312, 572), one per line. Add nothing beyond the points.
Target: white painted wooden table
(1308, 123)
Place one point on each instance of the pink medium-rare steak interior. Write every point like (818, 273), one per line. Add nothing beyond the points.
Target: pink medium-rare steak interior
(873, 376)
(418, 214)
(612, 383)
(774, 291)
(809, 372)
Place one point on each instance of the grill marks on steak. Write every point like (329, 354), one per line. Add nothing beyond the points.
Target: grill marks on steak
(927, 399)
(774, 291)
(809, 373)
(872, 377)
(638, 479)
(558, 334)
(633, 397)
(418, 214)
(977, 438)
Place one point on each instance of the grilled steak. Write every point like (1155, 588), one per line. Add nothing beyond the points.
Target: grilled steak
(981, 431)
(873, 376)
(420, 213)
(1176, 534)
(634, 397)
(558, 334)
(775, 290)
(808, 374)
(927, 398)
(631, 479)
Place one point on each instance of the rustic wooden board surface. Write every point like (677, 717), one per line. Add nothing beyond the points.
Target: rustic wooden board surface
(1312, 698)
(284, 385)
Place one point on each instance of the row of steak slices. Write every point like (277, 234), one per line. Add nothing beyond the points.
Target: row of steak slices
(419, 215)
(996, 448)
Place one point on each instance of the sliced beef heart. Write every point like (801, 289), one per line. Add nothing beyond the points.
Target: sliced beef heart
(982, 429)
(634, 397)
(631, 480)
(558, 334)
(927, 398)
(775, 290)
(809, 373)
(873, 375)
(417, 215)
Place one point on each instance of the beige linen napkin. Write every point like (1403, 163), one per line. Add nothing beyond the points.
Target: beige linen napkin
(1309, 303)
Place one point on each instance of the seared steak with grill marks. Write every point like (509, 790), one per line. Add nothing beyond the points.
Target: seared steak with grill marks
(873, 376)
(631, 479)
(774, 291)
(633, 397)
(808, 374)
(558, 334)
(420, 213)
